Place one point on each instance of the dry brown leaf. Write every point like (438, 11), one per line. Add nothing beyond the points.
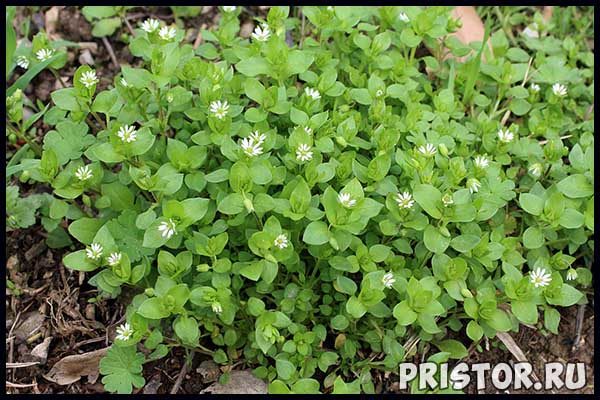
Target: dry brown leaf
(51, 22)
(32, 321)
(71, 368)
(240, 382)
(41, 350)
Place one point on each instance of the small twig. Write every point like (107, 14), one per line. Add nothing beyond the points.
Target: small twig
(515, 350)
(198, 38)
(128, 25)
(182, 373)
(111, 53)
(20, 385)
(578, 327)
(22, 365)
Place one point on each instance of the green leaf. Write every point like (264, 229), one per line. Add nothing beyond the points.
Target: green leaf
(186, 328)
(106, 27)
(285, 369)
(474, 331)
(434, 240)
(533, 238)
(575, 186)
(122, 367)
(153, 308)
(78, 261)
(84, 229)
(456, 349)
(531, 203)
(232, 204)
(525, 311)
(429, 198)
(316, 233)
(465, 243)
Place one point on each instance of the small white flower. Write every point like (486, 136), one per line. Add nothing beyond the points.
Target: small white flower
(124, 82)
(536, 170)
(388, 280)
(150, 25)
(531, 31)
(88, 79)
(281, 241)
(403, 17)
(473, 185)
(44, 54)
(539, 277)
(257, 137)
(23, 62)
(167, 228)
(84, 173)
(312, 93)
(571, 274)
(167, 33)
(329, 8)
(261, 33)
(346, 200)
(124, 332)
(447, 200)
(534, 87)
(559, 89)
(114, 259)
(250, 147)
(127, 133)
(404, 200)
(428, 150)
(219, 108)
(505, 136)
(229, 9)
(303, 153)
(94, 251)
(308, 130)
(379, 93)
(481, 162)
(216, 307)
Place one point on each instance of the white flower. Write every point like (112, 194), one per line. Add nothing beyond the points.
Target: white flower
(114, 259)
(447, 200)
(346, 200)
(534, 87)
(250, 147)
(94, 251)
(124, 82)
(167, 228)
(312, 93)
(536, 170)
(281, 241)
(257, 137)
(219, 108)
(150, 25)
(481, 162)
(379, 93)
(428, 150)
(531, 31)
(473, 185)
(88, 78)
(261, 33)
(127, 133)
(329, 8)
(44, 54)
(216, 307)
(539, 277)
(559, 89)
(403, 17)
(229, 8)
(388, 280)
(84, 173)
(404, 200)
(23, 62)
(303, 153)
(124, 332)
(167, 33)
(505, 136)
(308, 130)
(571, 274)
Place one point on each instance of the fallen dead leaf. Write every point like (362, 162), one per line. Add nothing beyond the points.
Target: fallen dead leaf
(51, 22)
(41, 350)
(71, 368)
(209, 371)
(240, 382)
(32, 321)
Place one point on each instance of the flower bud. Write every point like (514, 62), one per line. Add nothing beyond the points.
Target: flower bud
(248, 204)
(341, 141)
(86, 200)
(149, 292)
(443, 149)
(466, 293)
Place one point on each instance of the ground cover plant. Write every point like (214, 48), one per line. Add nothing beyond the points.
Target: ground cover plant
(322, 199)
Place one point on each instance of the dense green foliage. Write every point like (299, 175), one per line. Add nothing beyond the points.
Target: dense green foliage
(314, 208)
